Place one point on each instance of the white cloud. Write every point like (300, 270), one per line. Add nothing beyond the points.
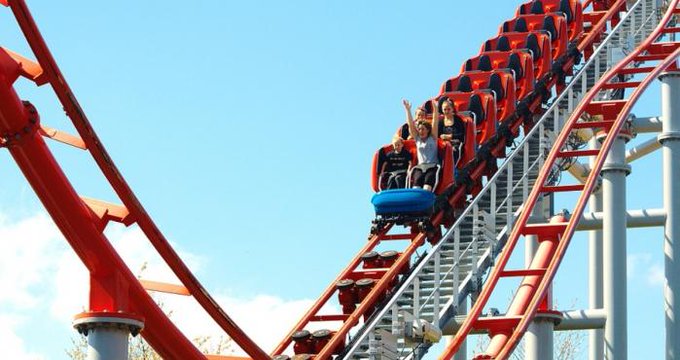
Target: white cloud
(25, 250)
(643, 266)
(28, 249)
(70, 284)
(266, 319)
(13, 346)
(43, 275)
(656, 276)
(635, 261)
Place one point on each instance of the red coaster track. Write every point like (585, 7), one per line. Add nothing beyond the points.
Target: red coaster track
(554, 237)
(114, 289)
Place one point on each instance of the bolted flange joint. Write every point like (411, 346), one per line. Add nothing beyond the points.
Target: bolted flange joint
(626, 135)
(669, 74)
(617, 167)
(15, 136)
(549, 315)
(88, 321)
(668, 136)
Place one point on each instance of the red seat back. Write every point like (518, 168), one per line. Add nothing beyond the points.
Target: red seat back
(506, 99)
(517, 41)
(485, 125)
(446, 178)
(571, 9)
(470, 147)
(536, 23)
(524, 82)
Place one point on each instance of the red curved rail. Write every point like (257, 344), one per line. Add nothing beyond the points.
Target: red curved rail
(506, 331)
(163, 340)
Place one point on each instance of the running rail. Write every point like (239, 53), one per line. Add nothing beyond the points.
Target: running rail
(506, 331)
(114, 287)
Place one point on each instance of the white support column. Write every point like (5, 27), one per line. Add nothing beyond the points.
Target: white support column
(582, 320)
(538, 341)
(641, 150)
(462, 350)
(107, 334)
(670, 139)
(595, 337)
(614, 298)
(531, 241)
(634, 218)
(646, 124)
(568, 320)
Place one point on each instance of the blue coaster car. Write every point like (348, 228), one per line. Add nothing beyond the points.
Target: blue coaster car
(403, 205)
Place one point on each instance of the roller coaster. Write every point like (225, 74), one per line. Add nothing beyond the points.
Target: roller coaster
(560, 74)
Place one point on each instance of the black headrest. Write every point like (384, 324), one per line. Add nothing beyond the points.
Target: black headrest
(532, 44)
(477, 108)
(537, 8)
(447, 85)
(515, 64)
(565, 7)
(521, 26)
(549, 26)
(484, 63)
(487, 46)
(523, 9)
(496, 84)
(503, 44)
(464, 84)
(468, 65)
(427, 106)
(403, 132)
(506, 26)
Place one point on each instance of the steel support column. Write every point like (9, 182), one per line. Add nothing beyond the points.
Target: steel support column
(539, 339)
(595, 337)
(570, 320)
(670, 139)
(634, 218)
(614, 299)
(531, 241)
(641, 150)
(646, 124)
(462, 350)
(538, 343)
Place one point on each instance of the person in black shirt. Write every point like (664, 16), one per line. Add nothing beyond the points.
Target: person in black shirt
(396, 165)
(452, 129)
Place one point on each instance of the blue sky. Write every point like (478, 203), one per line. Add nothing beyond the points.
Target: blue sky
(247, 129)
